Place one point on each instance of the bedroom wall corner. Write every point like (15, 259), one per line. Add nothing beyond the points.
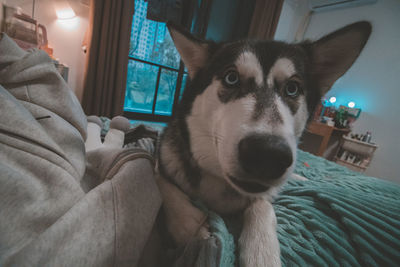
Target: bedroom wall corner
(292, 16)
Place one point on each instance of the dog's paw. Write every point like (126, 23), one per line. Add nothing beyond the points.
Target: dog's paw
(258, 242)
(298, 177)
(260, 252)
(184, 230)
(204, 231)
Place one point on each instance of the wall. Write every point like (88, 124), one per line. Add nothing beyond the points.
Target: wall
(292, 15)
(372, 82)
(65, 38)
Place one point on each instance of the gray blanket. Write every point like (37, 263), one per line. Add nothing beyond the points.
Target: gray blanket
(46, 216)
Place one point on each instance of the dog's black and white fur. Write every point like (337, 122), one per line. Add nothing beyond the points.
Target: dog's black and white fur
(233, 140)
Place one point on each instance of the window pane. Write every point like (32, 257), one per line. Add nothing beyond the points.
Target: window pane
(140, 87)
(166, 92)
(150, 40)
(184, 79)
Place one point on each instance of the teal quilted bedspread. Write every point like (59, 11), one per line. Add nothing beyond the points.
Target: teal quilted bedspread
(336, 218)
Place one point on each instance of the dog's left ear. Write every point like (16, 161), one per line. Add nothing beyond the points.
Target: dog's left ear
(194, 52)
(333, 54)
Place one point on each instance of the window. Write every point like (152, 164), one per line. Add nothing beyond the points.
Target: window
(155, 73)
(156, 76)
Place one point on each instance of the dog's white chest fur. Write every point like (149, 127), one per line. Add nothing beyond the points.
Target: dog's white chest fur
(221, 197)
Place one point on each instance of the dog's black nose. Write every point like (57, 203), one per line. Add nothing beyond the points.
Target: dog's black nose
(265, 156)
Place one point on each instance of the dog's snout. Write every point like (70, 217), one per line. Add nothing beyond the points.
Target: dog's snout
(265, 156)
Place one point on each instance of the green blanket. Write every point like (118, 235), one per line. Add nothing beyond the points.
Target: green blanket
(336, 218)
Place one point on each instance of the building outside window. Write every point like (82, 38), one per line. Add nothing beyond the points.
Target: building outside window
(154, 72)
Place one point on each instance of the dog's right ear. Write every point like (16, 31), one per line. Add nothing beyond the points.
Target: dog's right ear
(194, 52)
(333, 54)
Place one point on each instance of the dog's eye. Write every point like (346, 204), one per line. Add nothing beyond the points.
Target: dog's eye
(292, 89)
(231, 78)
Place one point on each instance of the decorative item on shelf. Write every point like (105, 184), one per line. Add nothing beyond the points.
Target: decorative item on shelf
(346, 116)
(341, 118)
(318, 112)
(62, 69)
(22, 28)
(352, 110)
(367, 137)
(324, 103)
(44, 44)
(329, 121)
(28, 33)
(25, 31)
(325, 111)
(362, 137)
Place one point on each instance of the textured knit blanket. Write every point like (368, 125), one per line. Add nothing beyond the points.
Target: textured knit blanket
(336, 218)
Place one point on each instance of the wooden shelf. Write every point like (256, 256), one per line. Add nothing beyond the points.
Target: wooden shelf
(362, 150)
(349, 163)
(358, 147)
(359, 142)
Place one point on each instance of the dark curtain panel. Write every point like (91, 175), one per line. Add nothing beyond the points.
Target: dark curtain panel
(244, 13)
(165, 10)
(265, 19)
(180, 12)
(108, 49)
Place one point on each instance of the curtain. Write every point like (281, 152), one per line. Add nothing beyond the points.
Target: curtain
(165, 10)
(265, 19)
(108, 49)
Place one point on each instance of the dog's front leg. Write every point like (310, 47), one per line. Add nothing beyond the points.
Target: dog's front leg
(184, 221)
(258, 242)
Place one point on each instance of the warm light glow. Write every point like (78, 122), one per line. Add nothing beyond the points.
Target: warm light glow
(69, 24)
(332, 99)
(351, 104)
(66, 13)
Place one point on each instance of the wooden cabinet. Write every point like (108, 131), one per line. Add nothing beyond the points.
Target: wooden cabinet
(325, 131)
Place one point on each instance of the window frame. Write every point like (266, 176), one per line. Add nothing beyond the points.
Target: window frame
(200, 25)
(153, 116)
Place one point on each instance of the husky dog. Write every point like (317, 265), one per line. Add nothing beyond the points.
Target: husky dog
(232, 142)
